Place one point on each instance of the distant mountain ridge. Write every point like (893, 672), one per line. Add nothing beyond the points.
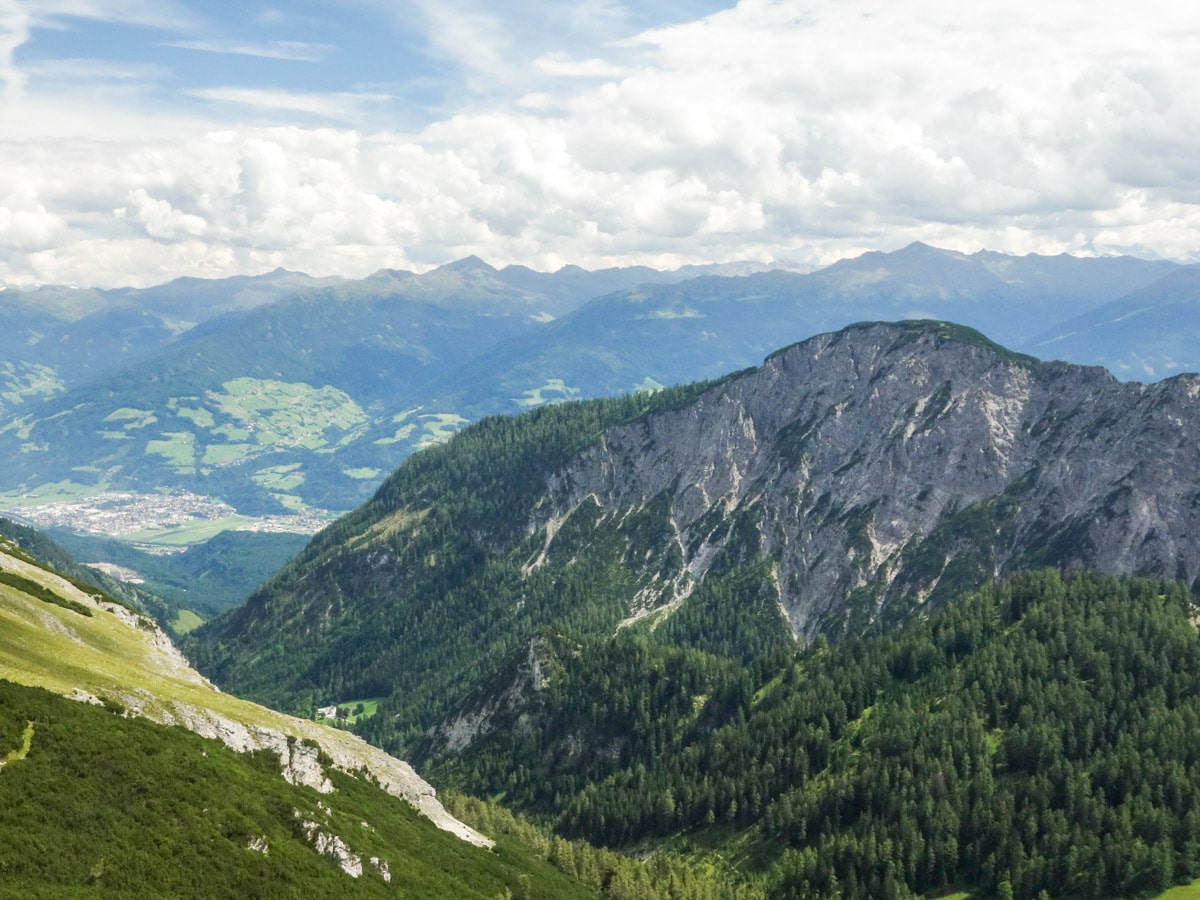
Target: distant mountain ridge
(275, 413)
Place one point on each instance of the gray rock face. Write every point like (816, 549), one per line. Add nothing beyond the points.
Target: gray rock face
(885, 466)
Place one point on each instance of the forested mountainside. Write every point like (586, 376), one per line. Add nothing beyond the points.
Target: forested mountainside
(1038, 738)
(851, 481)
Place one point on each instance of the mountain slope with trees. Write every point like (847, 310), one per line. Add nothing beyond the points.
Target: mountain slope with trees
(1039, 735)
(852, 481)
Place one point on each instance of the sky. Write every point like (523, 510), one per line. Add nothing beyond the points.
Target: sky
(142, 140)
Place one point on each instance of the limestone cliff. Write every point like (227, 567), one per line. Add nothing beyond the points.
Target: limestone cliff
(880, 461)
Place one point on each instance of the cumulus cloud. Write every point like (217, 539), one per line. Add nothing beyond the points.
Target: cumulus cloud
(778, 128)
(159, 218)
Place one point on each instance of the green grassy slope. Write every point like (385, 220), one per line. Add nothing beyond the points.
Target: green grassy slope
(104, 806)
(94, 802)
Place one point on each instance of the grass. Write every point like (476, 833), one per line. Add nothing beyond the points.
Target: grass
(280, 478)
(193, 532)
(106, 806)
(370, 708)
(41, 592)
(555, 390)
(225, 454)
(23, 751)
(56, 649)
(288, 414)
(402, 434)
(179, 448)
(113, 765)
(52, 492)
(132, 418)
(201, 418)
(405, 430)
(363, 474)
(648, 384)
(291, 501)
(439, 427)
(1183, 892)
(185, 621)
(32, 382)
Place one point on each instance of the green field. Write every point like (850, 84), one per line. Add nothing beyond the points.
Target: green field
(369, 708)
(404, 431)
(288, 414)
(179, 448)
(97, 804)
(201, 418)
(280, 478)
(1183, 892)
(52, 492)
(28, 383)
(439, 427)
(132, 418)
(555, 390)
(247, 418)
(185, 620)
(193, 532)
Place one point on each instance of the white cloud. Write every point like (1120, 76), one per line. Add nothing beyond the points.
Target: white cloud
(297, 51)
(29, 229)
(563, 66)
(167, 15)
(342, 106)
(160, 219)
(775, 129)
(15, 22)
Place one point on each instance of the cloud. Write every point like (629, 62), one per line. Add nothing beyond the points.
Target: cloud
(269, 15)
(160, 219)
(335, 106)
(29, 229)
(297, 51)
(773, 129)
(15, 23)
(562, 66)
(166, 15)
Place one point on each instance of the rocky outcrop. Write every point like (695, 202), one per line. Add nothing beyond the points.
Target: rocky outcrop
(890, 463)
(300, 758)
(492, 710)
(332, 847)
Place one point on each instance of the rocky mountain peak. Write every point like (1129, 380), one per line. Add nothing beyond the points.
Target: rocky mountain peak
(848, 483)
(868, 460)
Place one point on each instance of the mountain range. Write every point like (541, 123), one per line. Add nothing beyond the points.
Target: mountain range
(271, 403)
